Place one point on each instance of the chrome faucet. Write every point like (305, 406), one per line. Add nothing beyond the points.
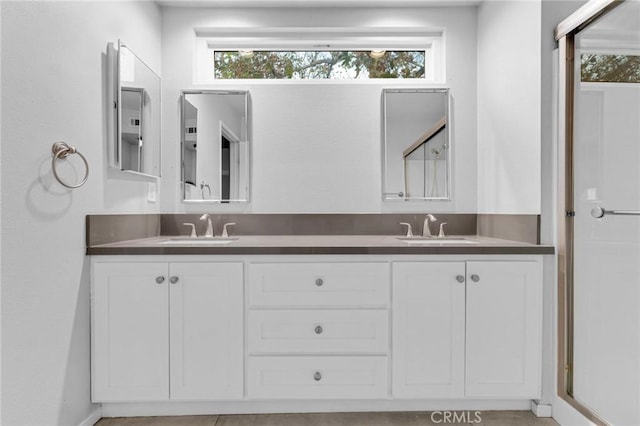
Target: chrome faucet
(209, 232)
(426, 232)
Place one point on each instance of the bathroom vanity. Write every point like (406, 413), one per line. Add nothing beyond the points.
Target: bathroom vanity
(340, 318)
(283, 322)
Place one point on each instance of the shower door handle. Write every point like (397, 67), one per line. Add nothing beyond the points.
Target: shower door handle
(598, 212)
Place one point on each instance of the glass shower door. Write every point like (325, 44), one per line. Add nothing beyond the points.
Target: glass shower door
(605, 368)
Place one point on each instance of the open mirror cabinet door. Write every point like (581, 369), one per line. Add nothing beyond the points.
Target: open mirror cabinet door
(134, 95)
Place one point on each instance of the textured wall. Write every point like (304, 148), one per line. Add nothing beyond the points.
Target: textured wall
(53, 88)
(509, 107)
(316, 146)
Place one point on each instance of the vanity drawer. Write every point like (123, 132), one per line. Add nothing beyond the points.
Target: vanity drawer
(317, 377)
(319, 284)
(318, 331)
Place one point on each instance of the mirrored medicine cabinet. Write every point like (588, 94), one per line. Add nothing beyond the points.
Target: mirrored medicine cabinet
(416, 145)
(135, 101)
(215, 146)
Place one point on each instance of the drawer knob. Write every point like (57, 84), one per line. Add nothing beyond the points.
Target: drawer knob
(317, 376)
(318, 329)
(319, 282)
(160, 279)
(475, 278)
(173, 280)
(460, 278)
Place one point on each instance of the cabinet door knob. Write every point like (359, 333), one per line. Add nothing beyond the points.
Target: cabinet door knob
(160, 279)
(319, 282)
(475, 278)
(173, 280)
(317, 376)
(318, 329)
(460, 278)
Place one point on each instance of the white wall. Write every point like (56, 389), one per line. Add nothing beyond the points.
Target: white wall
(509, 107)
(316, 147)
(0, 223)
(53, 89)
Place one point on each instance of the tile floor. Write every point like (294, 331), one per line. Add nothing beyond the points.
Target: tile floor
(488, 418)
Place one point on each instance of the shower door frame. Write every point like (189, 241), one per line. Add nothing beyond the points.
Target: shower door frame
(565, 35)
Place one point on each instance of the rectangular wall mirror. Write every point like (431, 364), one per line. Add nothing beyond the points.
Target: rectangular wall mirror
(137, 107)
(215, 146)
(416, 151)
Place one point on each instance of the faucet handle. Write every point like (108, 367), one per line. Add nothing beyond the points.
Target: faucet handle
(193, 230)
(225, 233)
(409, 230)
(441, 233)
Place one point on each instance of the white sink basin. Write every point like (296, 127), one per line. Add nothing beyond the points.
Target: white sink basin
(436, 241)
(198, 241)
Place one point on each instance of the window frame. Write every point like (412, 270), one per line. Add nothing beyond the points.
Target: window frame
(207, 41)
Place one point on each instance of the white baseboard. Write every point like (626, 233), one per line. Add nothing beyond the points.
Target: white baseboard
(540, 410)
(93, 417)
(303, 406)
(566, 415)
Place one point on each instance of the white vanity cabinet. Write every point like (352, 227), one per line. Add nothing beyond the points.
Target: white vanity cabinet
(167, 331)
(467, 329)
(301, 332)
(318, 330)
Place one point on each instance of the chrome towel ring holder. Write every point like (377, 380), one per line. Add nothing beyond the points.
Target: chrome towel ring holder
(62, 150)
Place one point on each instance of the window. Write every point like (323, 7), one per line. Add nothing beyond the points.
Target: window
(318, 64)
(330, 54)
(601, 68)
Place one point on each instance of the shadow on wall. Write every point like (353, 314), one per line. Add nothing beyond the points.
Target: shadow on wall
(45, 198)
(79, 354)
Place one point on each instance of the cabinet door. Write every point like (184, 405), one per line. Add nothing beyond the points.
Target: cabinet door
(428, 329)
(504, 314)
(130, 332)
(206, 330)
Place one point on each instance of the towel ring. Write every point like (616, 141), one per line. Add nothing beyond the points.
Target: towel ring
(204, 185)
(62, 150)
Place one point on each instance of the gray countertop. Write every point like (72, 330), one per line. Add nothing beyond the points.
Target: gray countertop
(318, 244)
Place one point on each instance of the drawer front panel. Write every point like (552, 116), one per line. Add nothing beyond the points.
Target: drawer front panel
(319, 284)
(318, 331)
(317, 377)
